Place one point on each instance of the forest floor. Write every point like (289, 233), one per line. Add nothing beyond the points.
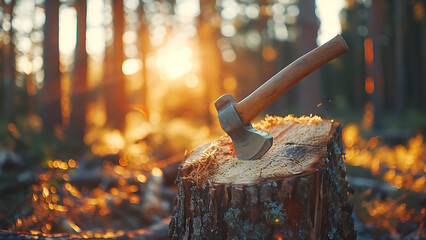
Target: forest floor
(106, 196)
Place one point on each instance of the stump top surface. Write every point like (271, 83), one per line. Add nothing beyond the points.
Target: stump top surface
(299, 145)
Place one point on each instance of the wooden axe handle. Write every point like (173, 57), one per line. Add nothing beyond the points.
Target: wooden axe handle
(252, 105)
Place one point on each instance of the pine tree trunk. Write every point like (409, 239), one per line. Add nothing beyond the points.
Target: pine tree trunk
(400, 76)
(144, 46)
(309, 91)
(51, 109)
(423, 60)
(115, 86)
(209, 54)
(298, 190)
(9, 69)
(79, 92)
(378, 94)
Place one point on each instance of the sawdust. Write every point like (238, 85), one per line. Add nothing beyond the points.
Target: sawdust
(299, 144)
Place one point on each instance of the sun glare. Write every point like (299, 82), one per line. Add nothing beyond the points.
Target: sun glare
(328, 14)
(131, 66)
(188, 8)
(67, 30)
(175, 61)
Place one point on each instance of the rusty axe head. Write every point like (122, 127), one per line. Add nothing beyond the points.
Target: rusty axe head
(249, 143)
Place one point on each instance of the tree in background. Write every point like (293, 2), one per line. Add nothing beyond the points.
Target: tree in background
(51, 93)
(422, 18)
(9, 67)
(415, 40)
(209, 54)
(309, 90)
(144, 46)
(79, 91)
(378, 94)
(399, 58)
(398, 54)
(115, 84)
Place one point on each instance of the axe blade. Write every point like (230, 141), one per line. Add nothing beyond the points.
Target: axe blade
(252, 144)
(249, 143)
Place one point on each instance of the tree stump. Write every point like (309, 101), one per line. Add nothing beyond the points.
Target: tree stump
(297, 190)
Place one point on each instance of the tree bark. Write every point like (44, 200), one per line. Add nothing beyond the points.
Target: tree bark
(358, 59)
(210, 55)
(423, 60)
(9, 69)
(400, 67)
(115, 86)
(79, 91)
(310, 89)
(414, 67)
(51, 109)
(144, 47)
(298, 190)
(378, 95)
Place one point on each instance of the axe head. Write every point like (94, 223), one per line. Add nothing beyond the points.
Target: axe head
(249, 143)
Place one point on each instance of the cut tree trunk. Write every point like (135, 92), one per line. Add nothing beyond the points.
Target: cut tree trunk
(297, 190)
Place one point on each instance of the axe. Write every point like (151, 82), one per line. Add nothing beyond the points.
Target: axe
(234, 118)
